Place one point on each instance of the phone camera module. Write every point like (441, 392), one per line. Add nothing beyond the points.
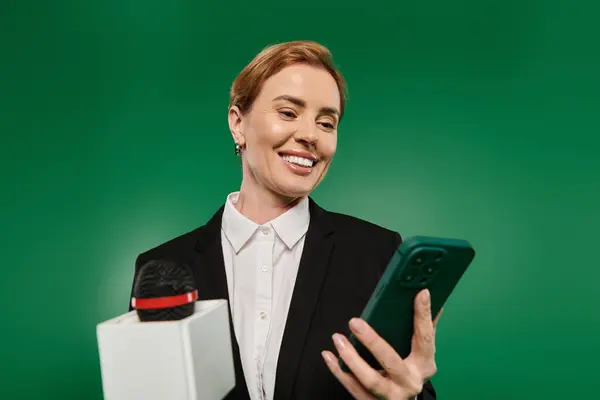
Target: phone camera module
(429, 269)
(419, 259)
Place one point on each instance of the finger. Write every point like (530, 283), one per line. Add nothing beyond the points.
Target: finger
(347, 380)
(424, 334)
(385, 354)
(367, 376)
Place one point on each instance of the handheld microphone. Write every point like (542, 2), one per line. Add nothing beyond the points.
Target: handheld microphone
(170, 346)
(164, 291)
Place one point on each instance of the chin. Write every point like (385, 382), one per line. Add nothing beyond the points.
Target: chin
(288, 188)
(293, 193)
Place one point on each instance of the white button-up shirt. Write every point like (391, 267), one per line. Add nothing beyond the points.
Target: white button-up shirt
(261, 264)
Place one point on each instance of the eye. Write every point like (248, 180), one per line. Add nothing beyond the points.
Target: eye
(327, 125)
(288, 114)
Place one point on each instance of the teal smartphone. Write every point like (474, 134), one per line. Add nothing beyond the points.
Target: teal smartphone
(419, 262)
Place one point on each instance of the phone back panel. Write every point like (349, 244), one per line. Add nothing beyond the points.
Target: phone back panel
(420, 262)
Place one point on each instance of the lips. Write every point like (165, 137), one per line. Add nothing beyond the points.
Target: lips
(299, 162)
(300, 158)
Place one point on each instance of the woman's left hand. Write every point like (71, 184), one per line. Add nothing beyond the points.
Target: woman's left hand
(400, 379)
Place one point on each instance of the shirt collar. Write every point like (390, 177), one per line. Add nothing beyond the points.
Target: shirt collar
(290, 226)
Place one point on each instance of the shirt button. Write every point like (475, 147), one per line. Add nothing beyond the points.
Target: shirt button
(265, 268)
(265, 230)
(263, 315)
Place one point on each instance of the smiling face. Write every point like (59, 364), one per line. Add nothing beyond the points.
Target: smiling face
(289, 136)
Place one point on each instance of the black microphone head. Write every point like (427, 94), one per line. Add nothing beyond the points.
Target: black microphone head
(162, 278)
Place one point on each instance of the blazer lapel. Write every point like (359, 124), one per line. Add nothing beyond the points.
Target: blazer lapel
(209, 272)
(209, 267)
(311, 275)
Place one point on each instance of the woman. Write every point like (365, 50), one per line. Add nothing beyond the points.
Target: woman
(295, 275)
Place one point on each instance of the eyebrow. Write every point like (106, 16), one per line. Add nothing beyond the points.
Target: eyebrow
(302, 103)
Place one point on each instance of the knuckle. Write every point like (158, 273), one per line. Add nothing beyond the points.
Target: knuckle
(399, 392)
(427, 337)
(427, 370)
(391, 368)
(373, 383)
(370, 383)
(415, 387)
(431, 370)
(387, 364)
(427, 312)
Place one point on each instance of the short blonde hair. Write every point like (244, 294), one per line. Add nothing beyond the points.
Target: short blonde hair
(247, 85)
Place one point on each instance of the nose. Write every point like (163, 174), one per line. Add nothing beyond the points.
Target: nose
(307, 134)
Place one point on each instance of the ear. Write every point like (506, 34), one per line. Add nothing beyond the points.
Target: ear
(235, 119)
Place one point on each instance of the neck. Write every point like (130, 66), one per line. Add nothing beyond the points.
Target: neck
(262, 205)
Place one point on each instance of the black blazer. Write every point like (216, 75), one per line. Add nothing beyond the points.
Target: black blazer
(342, 261)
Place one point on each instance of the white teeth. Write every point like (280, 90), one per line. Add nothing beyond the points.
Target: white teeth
(303, 162)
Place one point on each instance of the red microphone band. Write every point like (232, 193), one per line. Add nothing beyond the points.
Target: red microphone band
(164, 302)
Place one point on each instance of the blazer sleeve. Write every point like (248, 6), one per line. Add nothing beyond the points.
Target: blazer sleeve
(428, 392)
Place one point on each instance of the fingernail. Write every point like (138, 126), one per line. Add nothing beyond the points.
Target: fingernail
(326, 356)
(357, 325)
(339, 342)
(426, 297)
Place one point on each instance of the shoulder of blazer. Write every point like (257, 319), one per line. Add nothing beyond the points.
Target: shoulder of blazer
(182, 245)
(351, 227)
(358, 235)
(181, 249)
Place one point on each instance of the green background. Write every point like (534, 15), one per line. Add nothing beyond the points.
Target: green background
(468, 119)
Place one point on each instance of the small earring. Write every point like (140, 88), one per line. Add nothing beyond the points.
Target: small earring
(238, 150)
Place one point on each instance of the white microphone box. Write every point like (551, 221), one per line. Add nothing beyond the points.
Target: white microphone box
(189, 359)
